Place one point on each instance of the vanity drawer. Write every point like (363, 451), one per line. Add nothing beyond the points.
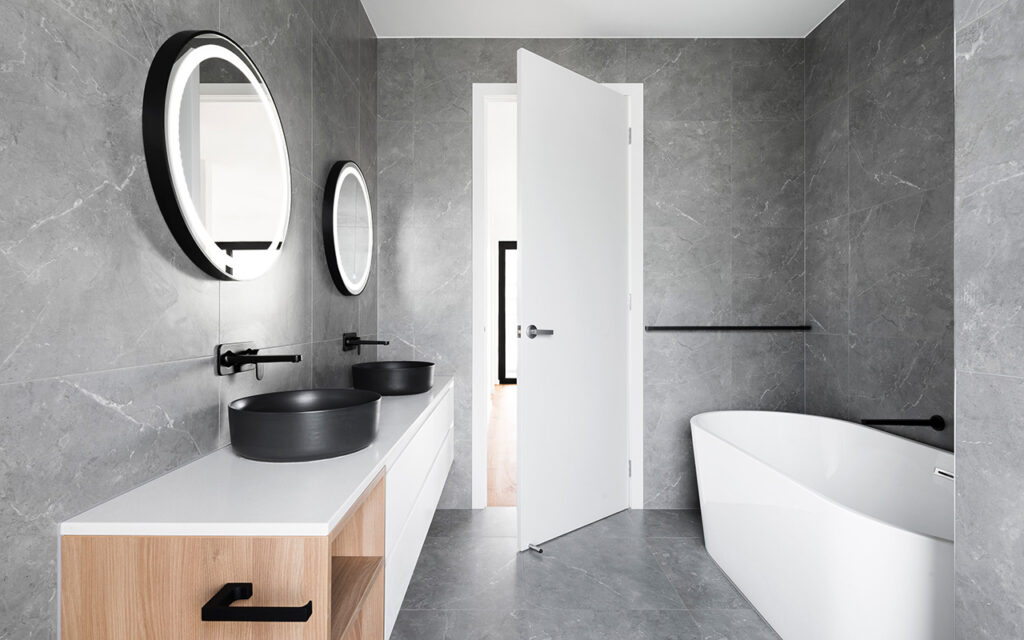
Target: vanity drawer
(409, 472)
(406, 552)
(155, 586)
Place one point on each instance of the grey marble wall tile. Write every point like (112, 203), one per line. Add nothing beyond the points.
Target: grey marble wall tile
(767, 276)
(967, 11)
(827, 162)
(366, 74)
(442, 83)
(768, 79)
(81, 245)
(442, 176)
(603, 60)
(989, 189)
(335, 114)
(331, 366)
(71, 442)
(900, 267)
(276, 35)
(988, 64)
(827, 375)
(274, 309)
(687, 275)
(989, 522)
(901, 127)
(826, 71)
(140, 29)
(827, 290)
(395, 72)
(687, 173)
(906, 378)
(884, 32)
(768, 371)
(684, 79)
(684, 374)
(768, 174)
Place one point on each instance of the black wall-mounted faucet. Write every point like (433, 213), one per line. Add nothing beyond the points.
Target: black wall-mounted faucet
(237, 357)
(353, 341)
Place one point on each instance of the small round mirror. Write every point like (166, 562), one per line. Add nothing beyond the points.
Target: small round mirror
(217, 156)
(348, 228)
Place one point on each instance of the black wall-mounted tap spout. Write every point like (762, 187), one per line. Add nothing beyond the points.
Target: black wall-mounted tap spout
(251, 356)
(244, 356)
(353, 341)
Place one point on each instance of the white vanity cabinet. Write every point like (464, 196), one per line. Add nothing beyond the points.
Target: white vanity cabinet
(415, 481)
(342, 534)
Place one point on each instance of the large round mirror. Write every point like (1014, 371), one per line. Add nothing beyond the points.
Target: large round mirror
(216, 153)
(348, 228)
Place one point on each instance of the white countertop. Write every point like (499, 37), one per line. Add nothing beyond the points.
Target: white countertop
(222, 494)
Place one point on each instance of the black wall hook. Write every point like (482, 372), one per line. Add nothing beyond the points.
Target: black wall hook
(219, 609)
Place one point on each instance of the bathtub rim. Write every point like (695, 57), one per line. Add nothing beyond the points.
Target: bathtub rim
(815, 492)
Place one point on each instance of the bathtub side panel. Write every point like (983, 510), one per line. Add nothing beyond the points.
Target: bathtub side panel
(812, 569)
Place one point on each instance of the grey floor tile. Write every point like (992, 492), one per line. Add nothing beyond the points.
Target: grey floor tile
(649, 523)
(637, 575)
(732, 624)
(586, 571)
(420, 625)
(454, 574)
(699, 581)
(492, 522)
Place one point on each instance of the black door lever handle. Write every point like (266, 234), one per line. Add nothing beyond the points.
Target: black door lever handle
(219, 609)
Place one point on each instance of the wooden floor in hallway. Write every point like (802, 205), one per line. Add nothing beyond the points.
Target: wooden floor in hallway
(501, 447)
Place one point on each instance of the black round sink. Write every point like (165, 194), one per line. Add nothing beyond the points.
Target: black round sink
(290, 426)
(394, 377)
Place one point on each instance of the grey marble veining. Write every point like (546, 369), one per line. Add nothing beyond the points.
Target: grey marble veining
(636, 574)
(71, 442)
(723, 146)
(879, 213)
(989, 297)
(107, 329)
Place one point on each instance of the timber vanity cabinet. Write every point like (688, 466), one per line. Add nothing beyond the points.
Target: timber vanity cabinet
(227, 548)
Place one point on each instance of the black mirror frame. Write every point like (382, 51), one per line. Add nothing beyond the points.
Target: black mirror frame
(154, 114)
(330, 245)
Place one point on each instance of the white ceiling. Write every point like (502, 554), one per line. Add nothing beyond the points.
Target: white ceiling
(597, 18)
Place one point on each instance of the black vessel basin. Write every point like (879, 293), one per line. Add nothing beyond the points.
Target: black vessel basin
(291, 426)
(394, 377)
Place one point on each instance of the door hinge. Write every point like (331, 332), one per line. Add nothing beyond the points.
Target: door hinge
(630, 135)
(629, 301)
(630, 467)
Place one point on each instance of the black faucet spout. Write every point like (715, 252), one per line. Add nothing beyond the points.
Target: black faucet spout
(353, 341)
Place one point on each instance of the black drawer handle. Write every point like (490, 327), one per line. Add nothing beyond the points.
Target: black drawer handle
(219, 609)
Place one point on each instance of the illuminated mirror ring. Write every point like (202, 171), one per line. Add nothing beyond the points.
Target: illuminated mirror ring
(348, 228)
(217, 155)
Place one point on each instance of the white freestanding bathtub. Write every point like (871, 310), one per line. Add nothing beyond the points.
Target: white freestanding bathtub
(832, 530)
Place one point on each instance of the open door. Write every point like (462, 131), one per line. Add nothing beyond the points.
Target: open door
(573, 173)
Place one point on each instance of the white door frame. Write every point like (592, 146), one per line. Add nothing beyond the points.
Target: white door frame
(482, 324)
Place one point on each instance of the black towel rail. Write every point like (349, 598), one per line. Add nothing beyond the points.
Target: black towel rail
(731, 327)
(935, 422)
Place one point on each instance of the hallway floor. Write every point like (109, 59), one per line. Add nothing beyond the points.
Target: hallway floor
(501, 447)
(638, 575)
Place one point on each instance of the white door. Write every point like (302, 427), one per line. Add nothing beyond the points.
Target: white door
(573, 207)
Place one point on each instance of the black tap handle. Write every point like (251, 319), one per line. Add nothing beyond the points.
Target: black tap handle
(219, 609)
